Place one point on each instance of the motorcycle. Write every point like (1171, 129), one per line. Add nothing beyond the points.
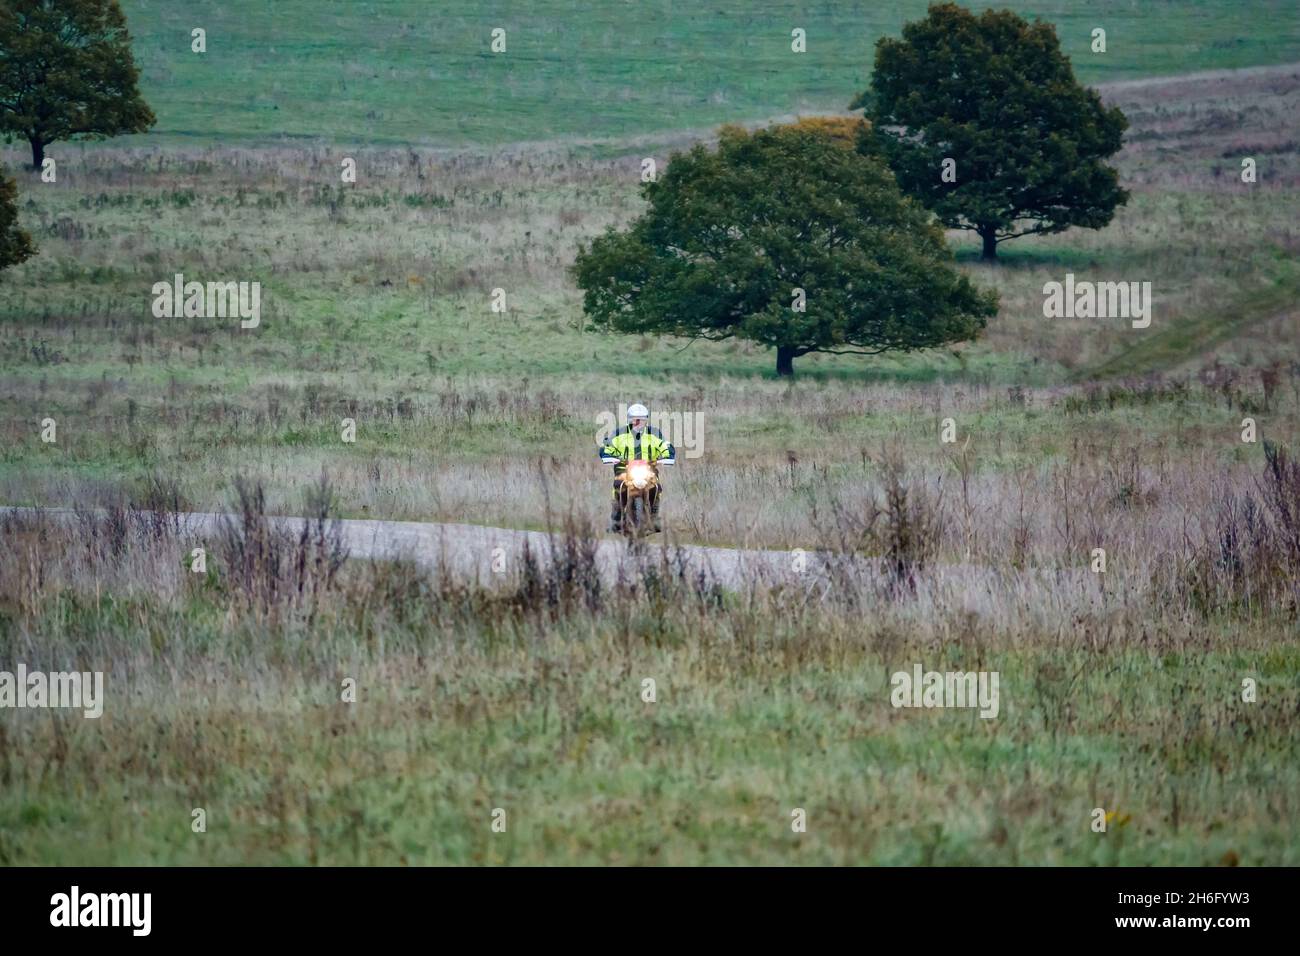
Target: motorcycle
(637, 487)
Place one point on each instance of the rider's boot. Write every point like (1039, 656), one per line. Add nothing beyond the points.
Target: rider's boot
(616, 517)
(654, 511)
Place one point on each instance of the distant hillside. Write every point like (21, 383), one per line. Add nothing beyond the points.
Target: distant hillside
(412, 71)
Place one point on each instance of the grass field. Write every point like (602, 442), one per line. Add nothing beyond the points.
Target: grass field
(402, 71)
(377, 306)
(1120, 690)
(465, 706)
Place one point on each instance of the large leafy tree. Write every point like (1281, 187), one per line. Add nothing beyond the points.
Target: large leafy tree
(15, 244)
(66, 70)
(730, 234)
(996, 95)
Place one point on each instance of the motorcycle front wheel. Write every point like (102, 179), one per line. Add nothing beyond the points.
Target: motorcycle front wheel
(634, 517)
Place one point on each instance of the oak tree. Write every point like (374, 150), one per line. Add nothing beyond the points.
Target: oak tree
(981, 119)
(15, 244)
(786, 238)
(66, 70)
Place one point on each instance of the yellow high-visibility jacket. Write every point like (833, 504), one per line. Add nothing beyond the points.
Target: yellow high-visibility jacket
(625, 446)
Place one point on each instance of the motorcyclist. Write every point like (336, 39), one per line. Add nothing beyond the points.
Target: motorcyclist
(636, 441)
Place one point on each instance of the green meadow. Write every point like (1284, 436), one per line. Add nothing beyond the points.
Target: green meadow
(403, 71)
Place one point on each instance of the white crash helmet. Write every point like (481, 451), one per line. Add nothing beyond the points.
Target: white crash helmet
(637, 411)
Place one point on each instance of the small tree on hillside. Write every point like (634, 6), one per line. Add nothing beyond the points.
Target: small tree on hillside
(997, 96)
(845, 130)
(66, 70)
(15, 244)
(786, 238)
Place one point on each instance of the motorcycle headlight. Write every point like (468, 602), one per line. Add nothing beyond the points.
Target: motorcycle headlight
(639, 476)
